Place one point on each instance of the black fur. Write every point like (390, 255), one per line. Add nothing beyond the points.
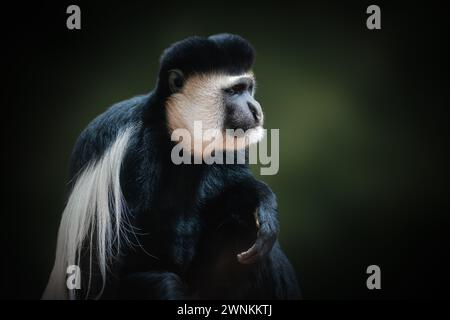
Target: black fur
(190, 220)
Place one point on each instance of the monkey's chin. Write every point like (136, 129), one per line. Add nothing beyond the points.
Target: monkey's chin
(255, 135)
(239, 142)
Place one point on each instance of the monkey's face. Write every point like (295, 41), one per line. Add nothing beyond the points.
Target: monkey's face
(224, 105)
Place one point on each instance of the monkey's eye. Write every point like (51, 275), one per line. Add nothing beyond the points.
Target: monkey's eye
(176, 80)
(236, 89)
(229, 91)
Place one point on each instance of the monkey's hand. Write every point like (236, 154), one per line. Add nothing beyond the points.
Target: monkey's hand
(267, 225)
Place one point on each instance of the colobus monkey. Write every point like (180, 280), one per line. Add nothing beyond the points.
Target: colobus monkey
(139, 226)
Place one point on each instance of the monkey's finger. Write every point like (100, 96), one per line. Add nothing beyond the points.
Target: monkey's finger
(260, 249)
(249, 256)
(251, 260)
(257, 251)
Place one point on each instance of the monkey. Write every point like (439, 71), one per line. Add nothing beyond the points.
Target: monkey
(141, 227)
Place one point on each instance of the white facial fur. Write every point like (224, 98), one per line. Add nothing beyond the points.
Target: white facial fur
(201, 99)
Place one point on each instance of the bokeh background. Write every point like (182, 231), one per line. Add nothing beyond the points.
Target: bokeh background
(361, 117)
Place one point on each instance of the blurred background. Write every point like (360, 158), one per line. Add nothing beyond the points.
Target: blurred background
(363, 135)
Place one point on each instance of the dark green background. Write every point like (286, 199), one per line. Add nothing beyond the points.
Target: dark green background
(360, 113)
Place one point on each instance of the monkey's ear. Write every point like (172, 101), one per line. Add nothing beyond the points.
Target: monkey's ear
(176, 80)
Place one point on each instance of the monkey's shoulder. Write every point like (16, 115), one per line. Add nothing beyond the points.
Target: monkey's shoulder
(101, 132)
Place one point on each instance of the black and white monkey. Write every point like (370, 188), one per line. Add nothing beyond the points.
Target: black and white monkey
(140, 226)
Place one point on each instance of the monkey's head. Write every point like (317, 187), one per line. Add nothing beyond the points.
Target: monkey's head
(209, 81)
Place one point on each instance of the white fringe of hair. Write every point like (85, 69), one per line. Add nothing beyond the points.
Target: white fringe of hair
(87, 215)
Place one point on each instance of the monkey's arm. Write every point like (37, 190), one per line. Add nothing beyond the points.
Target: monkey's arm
(266, 217)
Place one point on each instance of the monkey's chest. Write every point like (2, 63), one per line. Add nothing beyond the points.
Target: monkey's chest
(172, 236)
(183, 240)
(185, 225)
(207, 238)
(215, 269)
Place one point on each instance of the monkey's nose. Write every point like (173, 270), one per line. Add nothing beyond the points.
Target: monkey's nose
(255, 111)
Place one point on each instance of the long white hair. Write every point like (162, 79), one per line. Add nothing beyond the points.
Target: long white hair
(95, 214)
